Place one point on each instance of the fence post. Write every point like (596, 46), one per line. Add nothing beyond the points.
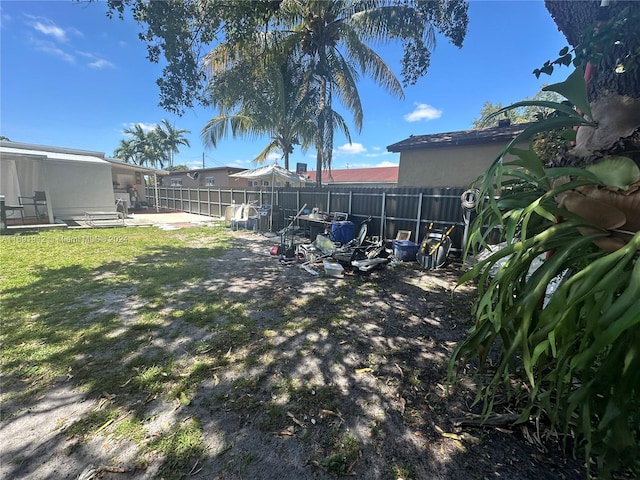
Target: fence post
(3, 217)
(383, 220)
(419, 218)
(328, 201)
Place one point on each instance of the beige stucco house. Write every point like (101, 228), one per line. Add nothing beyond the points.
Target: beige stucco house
(453, 159)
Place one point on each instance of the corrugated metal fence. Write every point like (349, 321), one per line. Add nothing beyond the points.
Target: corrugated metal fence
(391, 209)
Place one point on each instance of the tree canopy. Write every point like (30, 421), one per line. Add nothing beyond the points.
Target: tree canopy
(153, 148)
(329, 42)
(523, 114)
(184, 31)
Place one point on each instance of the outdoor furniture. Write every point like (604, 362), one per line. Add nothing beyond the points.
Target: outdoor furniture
(12, 209)
(104, 219)
(244, 216)
(39, 199)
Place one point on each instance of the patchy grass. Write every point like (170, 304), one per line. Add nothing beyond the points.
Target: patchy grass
(188, 366)
(91, 309)
(343, 455)
(181, 445)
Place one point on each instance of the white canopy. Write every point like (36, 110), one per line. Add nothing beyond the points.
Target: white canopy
(272, 172)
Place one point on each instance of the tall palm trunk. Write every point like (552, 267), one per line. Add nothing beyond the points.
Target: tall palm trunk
(320, 134)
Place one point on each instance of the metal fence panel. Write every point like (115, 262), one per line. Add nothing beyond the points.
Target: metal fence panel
(391, 209)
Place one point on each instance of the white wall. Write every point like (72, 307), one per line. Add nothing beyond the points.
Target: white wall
(75, 188)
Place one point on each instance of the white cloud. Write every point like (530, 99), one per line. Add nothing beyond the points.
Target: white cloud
(423, 112)
(101, 63)
(273, 157)
(95, 61)
(51, 30)
(147, 127)
(51, 49)
(379, 154)
(47, 27)
(351, 149)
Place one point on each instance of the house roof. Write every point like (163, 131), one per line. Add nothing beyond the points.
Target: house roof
(20, 150)
(359, 175)
(138, 168)
(462, 137)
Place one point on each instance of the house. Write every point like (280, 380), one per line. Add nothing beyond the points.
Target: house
(453, 159)
(359, 177)
(74, 182)
(214, 177)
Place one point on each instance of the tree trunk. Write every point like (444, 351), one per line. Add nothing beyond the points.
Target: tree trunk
(575, 18)
(614, 95)
(320, 133)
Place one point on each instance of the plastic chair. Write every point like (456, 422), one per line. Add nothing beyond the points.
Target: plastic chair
(39, 199)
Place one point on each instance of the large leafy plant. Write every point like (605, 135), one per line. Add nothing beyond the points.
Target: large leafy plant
(568, 354)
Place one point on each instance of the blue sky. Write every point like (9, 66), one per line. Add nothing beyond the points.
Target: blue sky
(71, 77)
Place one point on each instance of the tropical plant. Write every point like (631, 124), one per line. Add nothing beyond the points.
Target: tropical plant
(170, 139)
(153, 147)
(257, 98)
(141, 148)
(558, 313)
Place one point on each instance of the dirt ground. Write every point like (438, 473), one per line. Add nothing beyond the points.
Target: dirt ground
(365, 360)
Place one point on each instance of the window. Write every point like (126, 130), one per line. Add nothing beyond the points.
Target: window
(253, 183)
(176, 182)
(265, 183)
(209, 181)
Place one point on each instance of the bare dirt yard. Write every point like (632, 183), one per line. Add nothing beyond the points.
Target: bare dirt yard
(319, 377)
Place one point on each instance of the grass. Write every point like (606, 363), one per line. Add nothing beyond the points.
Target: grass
(66, 301)
(169, 361)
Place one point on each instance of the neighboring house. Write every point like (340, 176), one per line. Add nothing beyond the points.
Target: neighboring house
(453, 159)
(359, 177)
(216, 177)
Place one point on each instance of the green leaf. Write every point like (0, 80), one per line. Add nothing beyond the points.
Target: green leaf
(619, 172)
(574, 89)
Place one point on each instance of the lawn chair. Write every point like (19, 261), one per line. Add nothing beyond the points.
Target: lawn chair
(39, 199)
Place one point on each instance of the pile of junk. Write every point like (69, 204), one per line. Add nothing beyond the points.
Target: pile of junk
(362, 253)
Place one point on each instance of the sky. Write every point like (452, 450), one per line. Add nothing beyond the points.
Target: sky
(71, 77)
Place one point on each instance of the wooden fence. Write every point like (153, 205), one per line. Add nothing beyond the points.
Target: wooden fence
(391, 209)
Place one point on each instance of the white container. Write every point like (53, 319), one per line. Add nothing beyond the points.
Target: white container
(333, 269)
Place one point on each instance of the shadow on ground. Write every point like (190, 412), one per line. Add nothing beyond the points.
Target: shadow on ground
(194, 363)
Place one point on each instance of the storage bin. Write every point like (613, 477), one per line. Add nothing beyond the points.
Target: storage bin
(342, 232)
(405, 250)
(333, 269)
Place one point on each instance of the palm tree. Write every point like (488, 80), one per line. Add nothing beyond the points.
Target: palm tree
(328, 38)
(258, 99)
(126, 151)
(170, 139)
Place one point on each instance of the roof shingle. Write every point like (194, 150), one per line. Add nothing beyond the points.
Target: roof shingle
(462, 137)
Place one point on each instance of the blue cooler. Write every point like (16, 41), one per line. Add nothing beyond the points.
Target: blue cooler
(342, 232)
(405, 250)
